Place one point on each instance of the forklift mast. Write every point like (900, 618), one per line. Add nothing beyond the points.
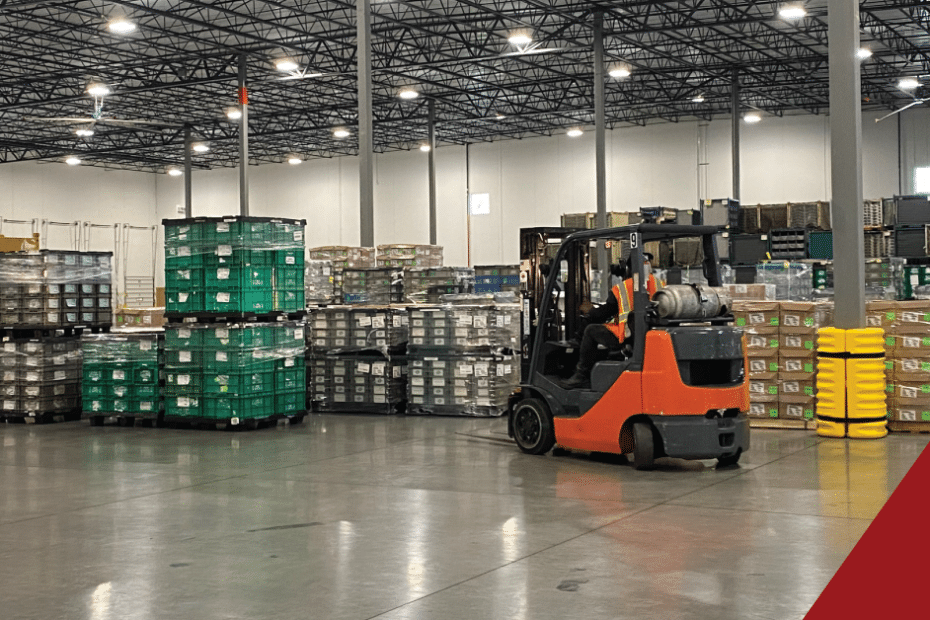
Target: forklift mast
(538, 250)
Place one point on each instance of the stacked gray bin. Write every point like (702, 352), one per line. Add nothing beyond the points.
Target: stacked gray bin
(40, 379)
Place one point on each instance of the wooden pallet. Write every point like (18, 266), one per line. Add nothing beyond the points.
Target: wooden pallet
(897, 426)
(801, 425)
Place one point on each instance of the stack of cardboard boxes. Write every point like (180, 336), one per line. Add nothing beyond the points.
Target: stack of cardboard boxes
(781, 347)
(907, 357)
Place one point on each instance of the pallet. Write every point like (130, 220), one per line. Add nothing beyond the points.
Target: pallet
(232, 424)
(46, 417)
(802, 425)
(360, 408)
(229, 317)
(898, 426)
(26, 333)
(123, 419)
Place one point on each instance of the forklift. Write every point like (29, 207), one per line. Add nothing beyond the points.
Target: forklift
(677, 388)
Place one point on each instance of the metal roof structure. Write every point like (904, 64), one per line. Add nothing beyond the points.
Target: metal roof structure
(179, 66)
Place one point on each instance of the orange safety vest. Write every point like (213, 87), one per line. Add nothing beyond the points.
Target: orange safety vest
(624, 297)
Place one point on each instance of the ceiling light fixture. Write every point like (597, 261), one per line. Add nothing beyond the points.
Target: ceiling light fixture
(121, 25)
(72, 161)
(908, 83)
(98, 89)
(792, 11)
(341, 132)
(233, 114)
(294, 160)
(84, 133)
(863, 53)
(200, 147)
(697, 99)
(425, 148)
(175, 172)
(574, 132)
(752, 117)
(408, 94)
(520, 38)
(619, 71)
(500, 116)
(286, 65)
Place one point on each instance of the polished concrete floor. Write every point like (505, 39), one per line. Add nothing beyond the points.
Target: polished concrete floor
(415, 518)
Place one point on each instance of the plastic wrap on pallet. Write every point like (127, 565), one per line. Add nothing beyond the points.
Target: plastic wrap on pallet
(695, 275)
(40, 376)
(381, 286)
(121, 373)
(426, 285)
(472, 385)
(461, 329)
(497, 278)
(345, 256)
(51, 289)
(353, 329)
(405, 255)
(751, 292)
(318, 281)
(507, 297)
(233, 372)
(792, 280)
(234, 264)
(358, 383)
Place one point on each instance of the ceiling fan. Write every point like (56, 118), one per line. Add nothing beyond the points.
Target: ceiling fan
(99, 91)
(913, 83)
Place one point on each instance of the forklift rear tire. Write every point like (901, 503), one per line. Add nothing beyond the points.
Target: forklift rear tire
(644, 452)
(729, 461)
(533, 427)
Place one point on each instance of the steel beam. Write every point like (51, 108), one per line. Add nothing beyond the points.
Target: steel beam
(600, 148)
(432, 171)
(846, 165)
(734, 132)
(243, 138)
(365, 128)
(188, 145)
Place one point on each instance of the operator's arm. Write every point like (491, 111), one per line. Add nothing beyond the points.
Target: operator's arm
(604, 312)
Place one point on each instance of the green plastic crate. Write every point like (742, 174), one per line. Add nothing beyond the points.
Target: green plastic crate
(240, 337)
(98, 405)
(288, 235)
(184, 337)
(290, 402)
(184, 256)
(145, 392)
(239, 383)
(242, 407)
(182, 359)
(238, 233)
(145, 374)
(184, 383)
(287, 278)
(189, 278)
(290, 380)
(293, 258)
(238, 278)
(236, 360)
(182, 233)
(289, 301)
(184, 407)
(184, 301)
(231, 256)
(290, 336)
(94, 390)
(238, 301)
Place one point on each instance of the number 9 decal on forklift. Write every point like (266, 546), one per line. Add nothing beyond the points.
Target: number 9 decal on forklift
(634, 240)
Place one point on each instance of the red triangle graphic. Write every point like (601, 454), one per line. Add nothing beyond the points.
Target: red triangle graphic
(885, 574)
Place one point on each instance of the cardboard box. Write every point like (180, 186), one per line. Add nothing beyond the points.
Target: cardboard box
(761, 338)
(919, 413)
(140, 317)
(912, 317)
(823, 313)
(909, 345)
(911, 369)
(795, 387)
(797, 408)
(756, 313)
(797, 344)
(911, 391)
(763, 409)
(764, 366)
(880, 313)
(794, 365)
(751, 292)
(763, 390)
(797, 317)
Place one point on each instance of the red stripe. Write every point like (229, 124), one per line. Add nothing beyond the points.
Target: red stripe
(885, 575)
(243, 96)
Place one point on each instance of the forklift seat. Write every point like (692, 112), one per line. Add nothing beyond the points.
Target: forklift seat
(605, 374)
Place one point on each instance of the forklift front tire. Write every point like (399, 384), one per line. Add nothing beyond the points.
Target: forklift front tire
(533, 427)
(644, 451)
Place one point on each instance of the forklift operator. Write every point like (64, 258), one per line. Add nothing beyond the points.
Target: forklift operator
(607, 324)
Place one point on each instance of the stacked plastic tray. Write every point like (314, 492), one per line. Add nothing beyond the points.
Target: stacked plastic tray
(356, 359)
(319, 282)
(427, 285)
(497, 278)
(382, 286)
(462, 358)
(234, 266)
(232, 374)
(51, 289)
(40, 379)
(405, 255)
(121, 375)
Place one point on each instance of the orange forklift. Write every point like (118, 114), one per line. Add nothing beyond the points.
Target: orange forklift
(677, 388)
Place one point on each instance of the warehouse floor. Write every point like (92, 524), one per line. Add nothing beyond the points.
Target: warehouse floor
(365, 517)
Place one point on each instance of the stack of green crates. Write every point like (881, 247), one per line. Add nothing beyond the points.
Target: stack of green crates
(121, 374)
(234, 265)
(234, 372)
